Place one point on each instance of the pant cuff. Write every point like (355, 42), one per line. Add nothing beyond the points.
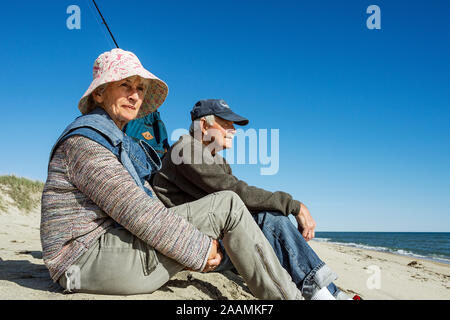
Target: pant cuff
(321, 276)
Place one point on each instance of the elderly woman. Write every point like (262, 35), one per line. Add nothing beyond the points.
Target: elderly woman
(104, 231)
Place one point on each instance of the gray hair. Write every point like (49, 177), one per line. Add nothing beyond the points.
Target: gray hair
(195, 125)
(91, 103)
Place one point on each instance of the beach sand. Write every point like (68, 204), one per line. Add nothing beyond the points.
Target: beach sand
(378, 275)
(371, 274)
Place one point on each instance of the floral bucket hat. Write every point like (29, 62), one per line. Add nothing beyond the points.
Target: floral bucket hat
(116, 65)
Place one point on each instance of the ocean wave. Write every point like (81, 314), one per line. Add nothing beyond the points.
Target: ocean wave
(322, 239)
(402, 252)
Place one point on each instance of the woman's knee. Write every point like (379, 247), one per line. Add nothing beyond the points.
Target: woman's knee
(230, 195)
(228, 202)
(229, 209)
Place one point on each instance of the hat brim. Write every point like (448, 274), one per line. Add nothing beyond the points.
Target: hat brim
(157, 92)
(233, 117)
(116, 65)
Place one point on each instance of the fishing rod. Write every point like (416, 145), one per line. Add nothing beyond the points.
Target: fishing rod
(115, 42)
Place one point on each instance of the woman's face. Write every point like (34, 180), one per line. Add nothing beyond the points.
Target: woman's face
(122, 100)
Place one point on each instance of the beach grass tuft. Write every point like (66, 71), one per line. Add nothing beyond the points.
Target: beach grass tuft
(25, 193)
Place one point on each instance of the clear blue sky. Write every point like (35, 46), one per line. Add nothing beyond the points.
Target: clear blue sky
(363, 114)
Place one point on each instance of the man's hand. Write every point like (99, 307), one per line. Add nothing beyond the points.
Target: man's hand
(215, 257)
(306, 223)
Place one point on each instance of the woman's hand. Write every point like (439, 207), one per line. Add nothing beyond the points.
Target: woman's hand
(215, 257)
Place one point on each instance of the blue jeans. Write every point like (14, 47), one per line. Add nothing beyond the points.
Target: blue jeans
(308, 272)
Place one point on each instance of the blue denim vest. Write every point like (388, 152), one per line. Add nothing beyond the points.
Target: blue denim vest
(140, 160)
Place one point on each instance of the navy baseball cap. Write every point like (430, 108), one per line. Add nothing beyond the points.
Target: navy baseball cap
(217, 107)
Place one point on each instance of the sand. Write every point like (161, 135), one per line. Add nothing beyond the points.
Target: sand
(378, 275)
(371, 274)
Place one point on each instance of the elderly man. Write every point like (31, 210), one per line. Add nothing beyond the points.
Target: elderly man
(193, 169)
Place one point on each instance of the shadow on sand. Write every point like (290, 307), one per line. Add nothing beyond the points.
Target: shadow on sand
(28, 274)
(36, 276)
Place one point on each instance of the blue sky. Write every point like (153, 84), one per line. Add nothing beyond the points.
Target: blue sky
(363, 114)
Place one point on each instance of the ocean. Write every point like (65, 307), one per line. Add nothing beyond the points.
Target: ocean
(425, 245)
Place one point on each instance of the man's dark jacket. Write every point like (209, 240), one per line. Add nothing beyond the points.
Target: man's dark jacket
(181, 180)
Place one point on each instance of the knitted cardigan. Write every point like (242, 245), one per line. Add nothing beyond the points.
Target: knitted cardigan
(87, 189)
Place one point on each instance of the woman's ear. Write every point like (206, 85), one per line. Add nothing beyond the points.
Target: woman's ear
(98, 97)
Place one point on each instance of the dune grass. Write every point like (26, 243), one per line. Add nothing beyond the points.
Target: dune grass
(25, 193)
(3, 206)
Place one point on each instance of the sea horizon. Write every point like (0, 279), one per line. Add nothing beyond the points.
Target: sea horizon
(388, 231)
(433, 246)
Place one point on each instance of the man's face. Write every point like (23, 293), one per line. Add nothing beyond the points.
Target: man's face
(223, 132)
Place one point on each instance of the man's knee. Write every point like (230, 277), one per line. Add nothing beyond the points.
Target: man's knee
(275, 221)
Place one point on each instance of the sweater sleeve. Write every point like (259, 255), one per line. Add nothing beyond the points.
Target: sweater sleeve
(97, 173)
(213, 177)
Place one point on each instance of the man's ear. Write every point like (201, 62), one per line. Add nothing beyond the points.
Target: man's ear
(203, 125)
